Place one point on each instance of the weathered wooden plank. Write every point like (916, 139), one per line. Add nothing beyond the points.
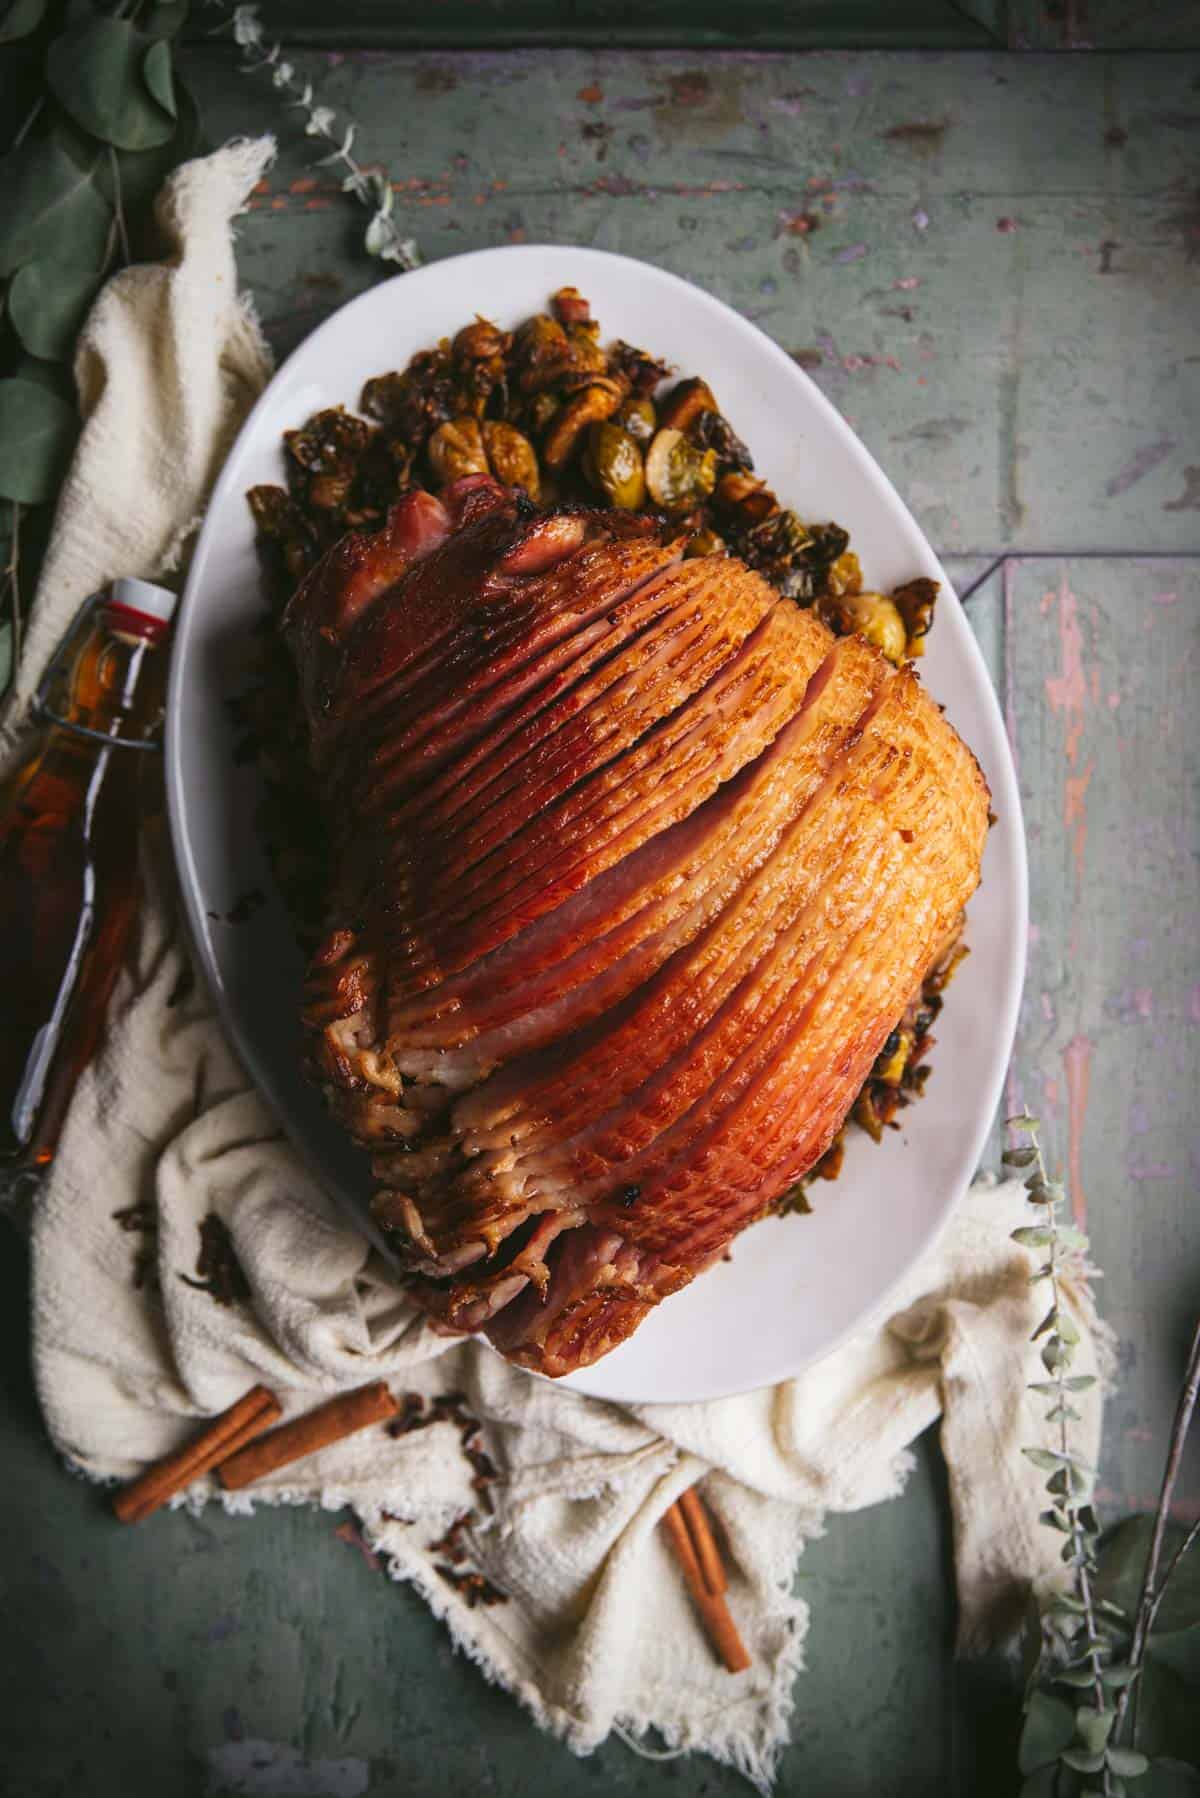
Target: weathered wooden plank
(991, 286)
(1101, 659)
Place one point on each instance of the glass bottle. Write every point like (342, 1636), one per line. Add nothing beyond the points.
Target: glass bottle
(69, 818)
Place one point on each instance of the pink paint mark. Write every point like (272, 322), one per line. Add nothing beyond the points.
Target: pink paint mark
(1077, 1061)
(1067, 691)
(1166, 599)
(1075, 789)
(907, 283)
(1006, 225)
(1047, 1008)
(1034, 936)
(1143, 1001)
(1050, 1095)
(1114, 700)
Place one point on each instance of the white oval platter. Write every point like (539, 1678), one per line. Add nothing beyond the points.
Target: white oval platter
(795, 1287)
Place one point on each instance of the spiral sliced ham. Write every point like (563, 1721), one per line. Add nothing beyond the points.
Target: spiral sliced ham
(636, 867)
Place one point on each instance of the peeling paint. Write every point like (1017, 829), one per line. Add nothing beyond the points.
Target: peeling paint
(1067, 690)
(1077, 1061)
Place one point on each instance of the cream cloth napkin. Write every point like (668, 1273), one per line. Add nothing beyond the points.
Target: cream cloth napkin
(597, 1631)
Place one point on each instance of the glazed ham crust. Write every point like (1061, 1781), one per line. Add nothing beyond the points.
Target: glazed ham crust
(635, 868)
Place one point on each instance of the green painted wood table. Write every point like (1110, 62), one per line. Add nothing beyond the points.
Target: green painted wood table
(991, 264)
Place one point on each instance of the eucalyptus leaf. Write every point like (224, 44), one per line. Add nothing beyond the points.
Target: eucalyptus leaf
(20, 18)
(1084, 1760)
(51, 375)
(1045, 1458)
(47, 303)
(50, 207)
(1079, 1678)
(1093, 1727)
(141, 173)
(37, 433)
(1048, 1727)
(1033, 1236)
(1023, 1157)
(96, 72)
(1048, 1322)
(159, 77)
(164, 18)
(1129, 1762)
(1120, 1673)
(1043, 1783)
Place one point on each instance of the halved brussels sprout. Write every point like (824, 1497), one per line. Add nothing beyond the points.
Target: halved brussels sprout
(678, 475)
(685, 403)
(874, 617)
(511, 455)
(599, 400)
(613, 462)
(456, 448)
(638, 418)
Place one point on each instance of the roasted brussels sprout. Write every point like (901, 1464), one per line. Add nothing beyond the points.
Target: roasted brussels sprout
(542, 409)
(744, 499)
(872, 616)
(511, 456)
(711, 430)
(456, 448)
(597, 401)
(637, 416)
(570, 307)
(678, 475)
(915, 601)
(843, 575)
(685, 403)
(414, 403)
(643, 372)
(613, 462)
(329, 442)
(480, 342)
(704, 543)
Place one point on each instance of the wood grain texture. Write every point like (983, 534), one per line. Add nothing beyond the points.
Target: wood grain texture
(1022, 399)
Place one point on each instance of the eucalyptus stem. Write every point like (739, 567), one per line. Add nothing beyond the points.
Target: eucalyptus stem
(1153, 1593)
(118, 207)
(12, 577)
(1089, 1669)
(372, 187)
(30, 120)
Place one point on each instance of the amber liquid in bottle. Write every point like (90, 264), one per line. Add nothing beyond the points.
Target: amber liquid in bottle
(69, 819)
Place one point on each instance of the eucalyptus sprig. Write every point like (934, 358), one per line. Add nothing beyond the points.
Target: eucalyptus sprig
(1078, 1635)
(370, 186)
(1092, 1656)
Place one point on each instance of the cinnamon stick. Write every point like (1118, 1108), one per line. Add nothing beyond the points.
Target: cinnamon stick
(341, 1416)
(695, 1549)
(232, 1430)
(703, 1541)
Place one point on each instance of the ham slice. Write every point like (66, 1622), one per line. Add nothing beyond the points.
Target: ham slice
(636, 869)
